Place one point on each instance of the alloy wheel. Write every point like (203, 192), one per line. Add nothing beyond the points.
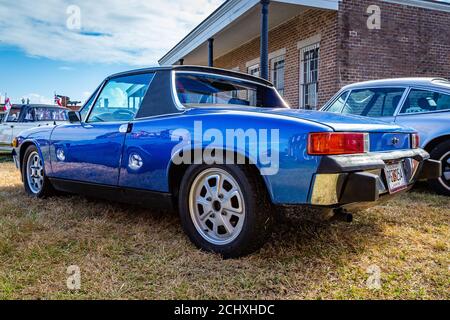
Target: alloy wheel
(35, 172)
(445, 178)
(216, 206)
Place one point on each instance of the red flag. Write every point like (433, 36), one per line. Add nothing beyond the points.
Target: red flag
(7, 105)
(58, 100)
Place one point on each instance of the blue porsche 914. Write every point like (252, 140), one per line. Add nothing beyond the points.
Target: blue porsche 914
(221, 147)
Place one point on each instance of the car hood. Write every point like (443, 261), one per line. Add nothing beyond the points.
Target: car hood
(335, 121)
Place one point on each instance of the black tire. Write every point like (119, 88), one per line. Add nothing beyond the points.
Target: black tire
(47, 189)
(258, 222)
(442, 153)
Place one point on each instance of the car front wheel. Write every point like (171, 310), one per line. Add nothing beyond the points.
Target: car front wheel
(224, 209)
(33, 174)
(442, 153)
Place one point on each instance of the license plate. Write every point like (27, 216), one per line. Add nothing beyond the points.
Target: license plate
(395, 177)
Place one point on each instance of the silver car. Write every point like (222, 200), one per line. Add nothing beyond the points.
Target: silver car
(23, 117)
(419, 103)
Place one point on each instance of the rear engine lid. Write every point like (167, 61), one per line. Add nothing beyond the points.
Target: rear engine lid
(339, 122)
(389, 141)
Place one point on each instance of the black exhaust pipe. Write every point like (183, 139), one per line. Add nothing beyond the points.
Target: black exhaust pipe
(342, 215)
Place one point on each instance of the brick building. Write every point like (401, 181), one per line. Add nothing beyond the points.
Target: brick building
(315, 47)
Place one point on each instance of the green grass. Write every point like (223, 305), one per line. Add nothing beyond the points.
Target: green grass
(127, 252)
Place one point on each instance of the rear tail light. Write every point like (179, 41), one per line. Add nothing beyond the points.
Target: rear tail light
(329, 143)
(415, 141)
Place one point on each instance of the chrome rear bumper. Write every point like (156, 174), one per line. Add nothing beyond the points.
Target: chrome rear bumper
(16, 159)
(351, 179)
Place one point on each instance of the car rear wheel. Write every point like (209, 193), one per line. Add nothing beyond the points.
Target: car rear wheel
(442, 153)
(224, 209)
(33, 174)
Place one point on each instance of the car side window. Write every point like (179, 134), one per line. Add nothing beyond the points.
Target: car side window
(30, 115)
(338, 104)
(425, 101)
(120, 98)
(49, 114)
(84, 111)
(13, 115)
(376, 102)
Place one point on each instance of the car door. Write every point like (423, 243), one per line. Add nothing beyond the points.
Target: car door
(6, 128)
(5, 133)
(27, 120)
(426, 111)
(90, 151)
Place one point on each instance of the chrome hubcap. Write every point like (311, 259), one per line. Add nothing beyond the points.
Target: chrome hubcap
(445, 178)
(216, 206)
(35, 172)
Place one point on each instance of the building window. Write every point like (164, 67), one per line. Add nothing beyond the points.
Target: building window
(277, 73)
(254, 71)
(309, 75)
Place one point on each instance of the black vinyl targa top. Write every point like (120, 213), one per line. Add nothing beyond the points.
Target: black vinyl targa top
(158, 99)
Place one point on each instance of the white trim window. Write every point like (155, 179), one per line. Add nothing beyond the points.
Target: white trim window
(254, 71)
(309, 76)
(277, 73)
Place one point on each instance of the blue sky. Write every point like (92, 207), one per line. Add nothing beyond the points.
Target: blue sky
(68, 47)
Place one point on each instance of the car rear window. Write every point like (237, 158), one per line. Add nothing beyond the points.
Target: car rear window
(375, 102)
(196, 90)
(46, 114)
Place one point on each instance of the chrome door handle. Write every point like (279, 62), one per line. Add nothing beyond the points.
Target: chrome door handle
(126, 128)
(123, 128)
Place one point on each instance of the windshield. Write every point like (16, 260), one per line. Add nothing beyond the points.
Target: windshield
(195, 90)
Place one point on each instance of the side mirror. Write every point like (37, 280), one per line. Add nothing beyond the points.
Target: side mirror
(74, 117)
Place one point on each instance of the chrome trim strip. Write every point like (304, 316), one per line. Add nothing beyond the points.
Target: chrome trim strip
(159, 116)
(95, 101)
(175, 98)
(366, 142)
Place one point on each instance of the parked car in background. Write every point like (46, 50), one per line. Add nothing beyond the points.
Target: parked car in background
(22, 117)
(420, 103)
(127, 142)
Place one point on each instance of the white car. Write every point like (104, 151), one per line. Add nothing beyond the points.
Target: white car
(22, 117)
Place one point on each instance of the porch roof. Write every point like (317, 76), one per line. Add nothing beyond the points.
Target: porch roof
(234, 23)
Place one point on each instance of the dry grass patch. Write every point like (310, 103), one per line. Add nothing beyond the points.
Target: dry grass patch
(128, 252)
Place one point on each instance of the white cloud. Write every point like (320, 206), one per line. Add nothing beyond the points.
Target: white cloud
(36, 98)
(135, 32)
(86, 94)
(66, 68)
